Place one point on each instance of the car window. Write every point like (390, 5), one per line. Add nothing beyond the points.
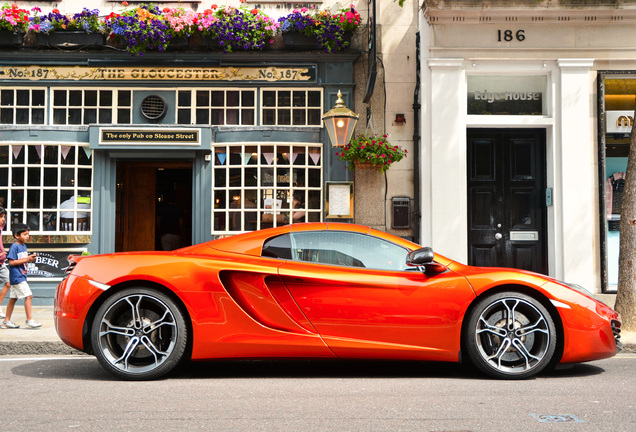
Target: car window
(348, 249)
(278, 247)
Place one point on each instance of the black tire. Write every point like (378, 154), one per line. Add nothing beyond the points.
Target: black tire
(510, 336)
(139, 334)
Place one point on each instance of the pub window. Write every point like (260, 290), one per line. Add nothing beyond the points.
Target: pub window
(86, 106)
(263, 185)
(291, 107)
(47, 186)
(218, 107)
(22, 106)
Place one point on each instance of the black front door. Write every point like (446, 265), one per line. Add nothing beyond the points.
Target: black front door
(506, 198)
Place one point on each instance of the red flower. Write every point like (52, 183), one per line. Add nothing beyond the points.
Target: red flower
(56, 11)
(254, 11)
(124, 3)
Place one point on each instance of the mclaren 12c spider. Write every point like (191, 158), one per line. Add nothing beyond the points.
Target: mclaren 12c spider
(323, 290)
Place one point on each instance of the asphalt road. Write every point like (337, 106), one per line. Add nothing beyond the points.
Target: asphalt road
(74, 393)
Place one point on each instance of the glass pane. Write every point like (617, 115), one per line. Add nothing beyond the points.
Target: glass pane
(68, 177)
(84, 177)
(217, 117)
(247, 117)
(203, 98)
(33, 198)
(17, 176)
(232, 117)
(124, 98)
(105, 116)
(59, 97)
(106, 98)
(6, 97)
(299, 117)
(314, 117)
(313, 98)
(75, 98)
(50, 155)
(300, 99)
(203, 116)
(70, 156)
(37, 98)
(269, 117)
(183, 116)
(235, 177)
(269, 98)
(185, 98)
(220, 177)
(6, 115)
(37, 116)
(33, 221)
(50, 176)
(284, 117)
(90, 116)
(22, 98)
(75, 116)
(20, 158)
(59, 116)
(34, 154)
(90, 98)
(22, 116)
(218, 98)
(247, 99)
(232, 98)
(220, 221)
(284, 98)
(50, 199)
(33, 177)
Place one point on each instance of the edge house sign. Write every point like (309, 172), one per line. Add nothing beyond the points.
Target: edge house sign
(504, 95)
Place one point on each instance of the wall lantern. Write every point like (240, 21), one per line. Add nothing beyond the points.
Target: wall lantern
(340, 122)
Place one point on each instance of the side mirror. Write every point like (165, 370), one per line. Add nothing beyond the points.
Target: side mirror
(420, 257)
(424, 258)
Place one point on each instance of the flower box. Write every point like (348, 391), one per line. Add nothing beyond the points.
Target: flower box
(10, 39)
(69, 39)
(295, 40)
(299, 41)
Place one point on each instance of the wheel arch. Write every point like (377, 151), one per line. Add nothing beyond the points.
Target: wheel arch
(522, 289)
(90, 316)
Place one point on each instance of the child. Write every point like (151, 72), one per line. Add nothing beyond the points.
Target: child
(4, 271)
(18, 259)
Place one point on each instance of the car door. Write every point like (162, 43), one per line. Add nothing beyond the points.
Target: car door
(359, 295)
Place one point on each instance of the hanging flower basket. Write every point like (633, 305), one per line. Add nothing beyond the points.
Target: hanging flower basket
(360, 164)
(371, 152)
(10, 39)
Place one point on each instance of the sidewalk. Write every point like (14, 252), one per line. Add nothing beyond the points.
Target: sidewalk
(44, 340)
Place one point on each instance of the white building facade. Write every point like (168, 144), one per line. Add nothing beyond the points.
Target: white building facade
(525, 111)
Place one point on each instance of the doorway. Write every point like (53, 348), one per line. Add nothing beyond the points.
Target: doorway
(507, 215)
(144, 191)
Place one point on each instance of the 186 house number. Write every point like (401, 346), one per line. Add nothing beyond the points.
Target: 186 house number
(509, 35)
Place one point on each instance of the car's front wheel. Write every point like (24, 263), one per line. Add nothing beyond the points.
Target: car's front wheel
(139, 334)
(510, 335)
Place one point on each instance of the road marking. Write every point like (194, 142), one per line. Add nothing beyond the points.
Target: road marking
(556, 418)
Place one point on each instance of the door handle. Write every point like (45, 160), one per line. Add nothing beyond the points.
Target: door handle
(498, 236)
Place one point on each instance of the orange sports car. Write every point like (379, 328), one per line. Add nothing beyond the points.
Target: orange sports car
(323, 290)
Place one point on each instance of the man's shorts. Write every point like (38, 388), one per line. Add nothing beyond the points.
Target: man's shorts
(21, 290)
(4, 275)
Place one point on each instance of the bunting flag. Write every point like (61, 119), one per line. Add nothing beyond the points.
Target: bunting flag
(38, 150)
(269, 158)
(315, 157)
(294, 156)
(16, 150)
(221, 157)
(246, 158)
(65, 150)
(88, 152)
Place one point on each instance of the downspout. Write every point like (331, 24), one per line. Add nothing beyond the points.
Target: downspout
(417, 214)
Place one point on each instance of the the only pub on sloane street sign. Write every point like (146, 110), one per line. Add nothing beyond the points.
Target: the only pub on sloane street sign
(150, 136)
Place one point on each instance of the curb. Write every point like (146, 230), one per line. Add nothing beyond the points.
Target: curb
(59, 348)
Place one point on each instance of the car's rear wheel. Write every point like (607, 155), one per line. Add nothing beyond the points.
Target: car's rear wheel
(139, 334)
(510, 335)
